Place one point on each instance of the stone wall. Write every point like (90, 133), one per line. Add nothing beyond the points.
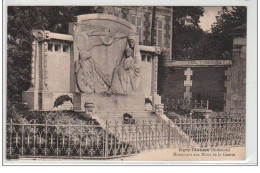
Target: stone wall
(172, 83)
(208, 84)
(202, 83)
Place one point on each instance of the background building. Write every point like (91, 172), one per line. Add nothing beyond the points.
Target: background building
(141, 17)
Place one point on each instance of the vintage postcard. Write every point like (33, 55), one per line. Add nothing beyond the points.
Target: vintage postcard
(117, 83)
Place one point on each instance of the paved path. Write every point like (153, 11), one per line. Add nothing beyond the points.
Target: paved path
(169, 154)
(174, 154)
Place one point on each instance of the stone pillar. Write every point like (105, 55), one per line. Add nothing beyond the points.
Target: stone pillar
(44, 64)
(155, 74)
(188, 83)
(34, 52)
(31, 97)
(37, 84)
(236, 76)
(227, 95)
(159, 109)
(156, 99)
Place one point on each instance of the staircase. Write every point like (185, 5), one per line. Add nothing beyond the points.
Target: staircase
(148, 128)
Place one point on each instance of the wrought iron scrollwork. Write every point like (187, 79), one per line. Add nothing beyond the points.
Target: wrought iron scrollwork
(89, 140)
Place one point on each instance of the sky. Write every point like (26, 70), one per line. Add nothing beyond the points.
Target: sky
(209, 17)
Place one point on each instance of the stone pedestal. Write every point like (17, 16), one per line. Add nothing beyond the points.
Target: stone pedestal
(159, 109)
(156, 99)
(112, 103)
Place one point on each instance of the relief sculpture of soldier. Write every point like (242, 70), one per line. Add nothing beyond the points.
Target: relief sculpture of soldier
(89, 78)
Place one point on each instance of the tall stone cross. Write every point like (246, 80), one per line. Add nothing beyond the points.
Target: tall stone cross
(188, 83)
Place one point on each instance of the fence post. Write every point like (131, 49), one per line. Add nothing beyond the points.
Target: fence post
(34, 137)
(106, 141)
(190, 131)
(46, 136)
(207, 104)
(22, 140)
(136, 137)
(209, 131)
(11, 138)
(169, 133)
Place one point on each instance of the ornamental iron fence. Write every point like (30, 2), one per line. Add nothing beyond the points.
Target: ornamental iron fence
(118, 139)
(215, 132)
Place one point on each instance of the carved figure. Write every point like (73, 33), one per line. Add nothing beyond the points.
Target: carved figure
(89, 78)
(126, 75)
(123, 77)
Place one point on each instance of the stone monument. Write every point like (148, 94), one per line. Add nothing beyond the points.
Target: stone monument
(99, 62)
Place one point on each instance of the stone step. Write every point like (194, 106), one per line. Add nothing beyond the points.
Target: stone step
(148, 118)
(113, 117)
(121, 113)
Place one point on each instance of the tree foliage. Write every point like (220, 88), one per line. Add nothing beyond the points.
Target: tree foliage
(227, 20)
(186, 31)
(190, 42)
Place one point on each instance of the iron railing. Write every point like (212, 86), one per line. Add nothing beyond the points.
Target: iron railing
(214, 132)
(89, 140)
(86, 140)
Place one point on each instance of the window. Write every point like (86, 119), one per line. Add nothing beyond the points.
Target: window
(65, 48)
(139, 28)
(133, 18)
(159, 33)
(144, 58)
(50, 47)
(137, 21)
(57, 47)
(114, 13)
(149, 58)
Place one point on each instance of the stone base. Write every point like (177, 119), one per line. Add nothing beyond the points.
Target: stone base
(118, 115)
(112, 103)
(28, 98)
(103, 102)
(44, 101)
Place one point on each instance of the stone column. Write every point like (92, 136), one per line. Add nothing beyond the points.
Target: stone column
(34, 52)
(155, 74)
(37, 84)
(75, 57)
(227, 84)
(44, 64)
(156, 99)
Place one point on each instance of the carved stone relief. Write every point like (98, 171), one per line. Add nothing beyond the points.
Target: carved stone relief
(107, 62)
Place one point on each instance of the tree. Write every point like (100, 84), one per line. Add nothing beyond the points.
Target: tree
(228, 18)
(185, 31)
(190, 42)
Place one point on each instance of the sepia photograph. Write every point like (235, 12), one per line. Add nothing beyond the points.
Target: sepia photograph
(125, 83)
